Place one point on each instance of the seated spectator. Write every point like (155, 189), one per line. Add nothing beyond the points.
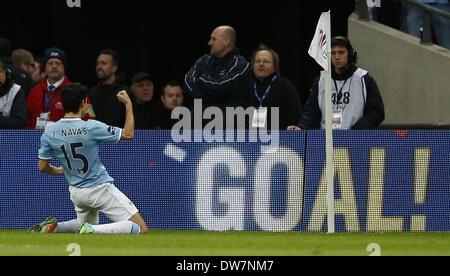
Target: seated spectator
(108, 109)
(13, 105)
(413, 21)
(272, 90)
(171, 98)
(143, 108)
(44, 101)
(39, 71)
(172, 95)
(19, 75)
(24, 59)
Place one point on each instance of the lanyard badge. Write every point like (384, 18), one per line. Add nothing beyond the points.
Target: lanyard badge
(260, 114)
(266, 92)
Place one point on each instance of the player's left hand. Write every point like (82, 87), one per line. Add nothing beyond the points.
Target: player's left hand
(60, 170)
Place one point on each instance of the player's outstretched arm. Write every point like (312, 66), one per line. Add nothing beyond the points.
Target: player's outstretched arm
(128, 129)
(45, 167)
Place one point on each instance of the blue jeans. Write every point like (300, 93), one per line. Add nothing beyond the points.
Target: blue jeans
(414, 20)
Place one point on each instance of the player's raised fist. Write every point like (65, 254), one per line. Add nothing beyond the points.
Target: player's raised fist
(123, 97)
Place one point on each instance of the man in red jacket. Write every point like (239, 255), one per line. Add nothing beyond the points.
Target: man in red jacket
(44, 101)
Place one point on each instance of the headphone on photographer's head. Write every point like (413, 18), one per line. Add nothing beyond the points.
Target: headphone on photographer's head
(345, 42)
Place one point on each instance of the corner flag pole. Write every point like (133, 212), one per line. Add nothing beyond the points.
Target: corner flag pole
(329, 134)
(320, 50)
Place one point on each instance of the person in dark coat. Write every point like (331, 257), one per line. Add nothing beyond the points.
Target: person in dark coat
(171, 98)
(221, 78)
(106, 106)
(356, 100)
(142, 87)
(271, 90)
(13, 104)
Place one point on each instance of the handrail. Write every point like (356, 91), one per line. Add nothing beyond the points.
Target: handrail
(428, 8)
(361, 6)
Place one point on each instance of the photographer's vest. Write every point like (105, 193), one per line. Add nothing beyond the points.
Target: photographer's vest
(6, 101)
(348, 99)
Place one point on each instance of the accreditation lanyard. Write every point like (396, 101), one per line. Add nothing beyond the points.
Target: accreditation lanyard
(49, 100)
(261, 100)
(339, 92)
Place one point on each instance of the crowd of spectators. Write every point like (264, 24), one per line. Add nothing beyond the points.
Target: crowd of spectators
(221, 79)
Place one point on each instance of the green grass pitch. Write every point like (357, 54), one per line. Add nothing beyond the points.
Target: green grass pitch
(202, 243)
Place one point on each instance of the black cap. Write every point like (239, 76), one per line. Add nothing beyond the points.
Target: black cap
(140, 77)
(55, 53)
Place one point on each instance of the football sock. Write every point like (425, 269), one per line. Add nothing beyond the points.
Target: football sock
(71, 226)
(122, 227)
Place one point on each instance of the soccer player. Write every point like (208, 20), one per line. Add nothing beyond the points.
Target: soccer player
(75, 142)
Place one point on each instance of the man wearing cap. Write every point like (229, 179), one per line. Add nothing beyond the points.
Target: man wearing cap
(143, 107)
(107, 108)
(44, 101)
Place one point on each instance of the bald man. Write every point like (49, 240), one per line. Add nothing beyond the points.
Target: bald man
(221, 78)
(222, 41)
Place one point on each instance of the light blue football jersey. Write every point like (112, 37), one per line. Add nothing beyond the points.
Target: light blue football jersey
(75, 142)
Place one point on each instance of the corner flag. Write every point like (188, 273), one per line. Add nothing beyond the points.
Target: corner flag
(320, 50)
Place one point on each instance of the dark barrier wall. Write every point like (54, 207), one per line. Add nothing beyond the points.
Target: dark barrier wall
(385, 181)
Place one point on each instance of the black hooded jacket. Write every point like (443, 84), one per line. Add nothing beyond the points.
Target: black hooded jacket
(373, 108)
(18, 113)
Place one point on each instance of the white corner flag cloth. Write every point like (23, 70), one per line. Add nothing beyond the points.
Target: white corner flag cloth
(318, 48)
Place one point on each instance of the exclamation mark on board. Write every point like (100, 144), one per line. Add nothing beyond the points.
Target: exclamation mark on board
(421, 175)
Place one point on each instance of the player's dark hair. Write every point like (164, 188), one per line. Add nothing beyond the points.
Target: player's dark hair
(72, 95)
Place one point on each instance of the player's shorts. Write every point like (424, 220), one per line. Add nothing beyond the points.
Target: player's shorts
(105, 198)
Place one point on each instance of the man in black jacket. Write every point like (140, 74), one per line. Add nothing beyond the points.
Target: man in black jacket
(143, 105)
(13, 104)
(19, 75)
(107, 108)
(222, 78)
(356, 100)
(271, 90)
